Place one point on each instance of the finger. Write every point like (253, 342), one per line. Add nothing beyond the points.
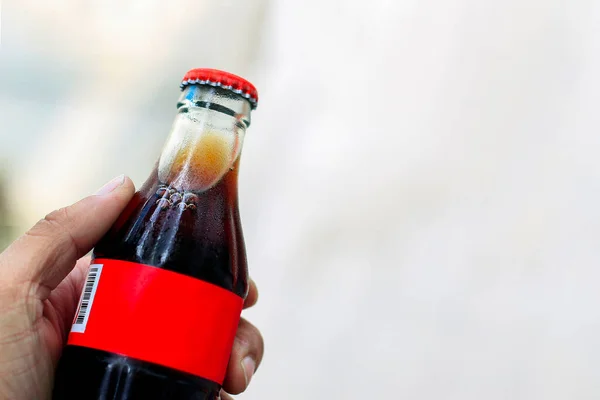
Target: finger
(76, 279)
(66, 295)
(225, 396)
(252, 297)
(49, 250)
(246, 355)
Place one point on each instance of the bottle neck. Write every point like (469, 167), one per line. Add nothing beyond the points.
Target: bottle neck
(206, 138)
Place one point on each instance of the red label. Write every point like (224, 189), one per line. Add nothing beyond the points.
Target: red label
(157, 316)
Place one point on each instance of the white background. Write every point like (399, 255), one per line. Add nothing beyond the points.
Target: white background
(419, 189)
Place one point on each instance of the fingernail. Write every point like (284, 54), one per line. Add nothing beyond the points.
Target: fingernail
(111, 185)
(248, 365)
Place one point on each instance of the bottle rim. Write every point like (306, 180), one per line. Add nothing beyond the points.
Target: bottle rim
(223, 80)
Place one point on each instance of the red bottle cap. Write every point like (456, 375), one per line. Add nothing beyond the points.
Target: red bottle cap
(222, 79)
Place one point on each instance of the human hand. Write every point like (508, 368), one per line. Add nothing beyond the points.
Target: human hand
(41, 278)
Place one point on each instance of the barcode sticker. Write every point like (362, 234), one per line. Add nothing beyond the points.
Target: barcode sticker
(87, 298)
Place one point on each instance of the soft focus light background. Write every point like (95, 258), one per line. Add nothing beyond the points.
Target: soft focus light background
(420, 187)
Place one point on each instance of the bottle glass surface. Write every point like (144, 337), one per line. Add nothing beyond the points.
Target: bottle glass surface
(162, 300)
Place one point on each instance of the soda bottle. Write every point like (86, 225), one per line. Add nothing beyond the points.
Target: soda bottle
(163, 297)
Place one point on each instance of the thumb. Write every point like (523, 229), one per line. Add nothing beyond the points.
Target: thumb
(48, 252)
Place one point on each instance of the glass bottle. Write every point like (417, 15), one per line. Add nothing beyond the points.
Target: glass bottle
(162, 301)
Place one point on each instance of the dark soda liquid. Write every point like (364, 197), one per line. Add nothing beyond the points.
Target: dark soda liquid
(195, 234)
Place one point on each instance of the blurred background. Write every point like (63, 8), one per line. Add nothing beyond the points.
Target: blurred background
(419, 189)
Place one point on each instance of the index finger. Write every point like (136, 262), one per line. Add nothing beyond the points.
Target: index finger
(252, 296)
